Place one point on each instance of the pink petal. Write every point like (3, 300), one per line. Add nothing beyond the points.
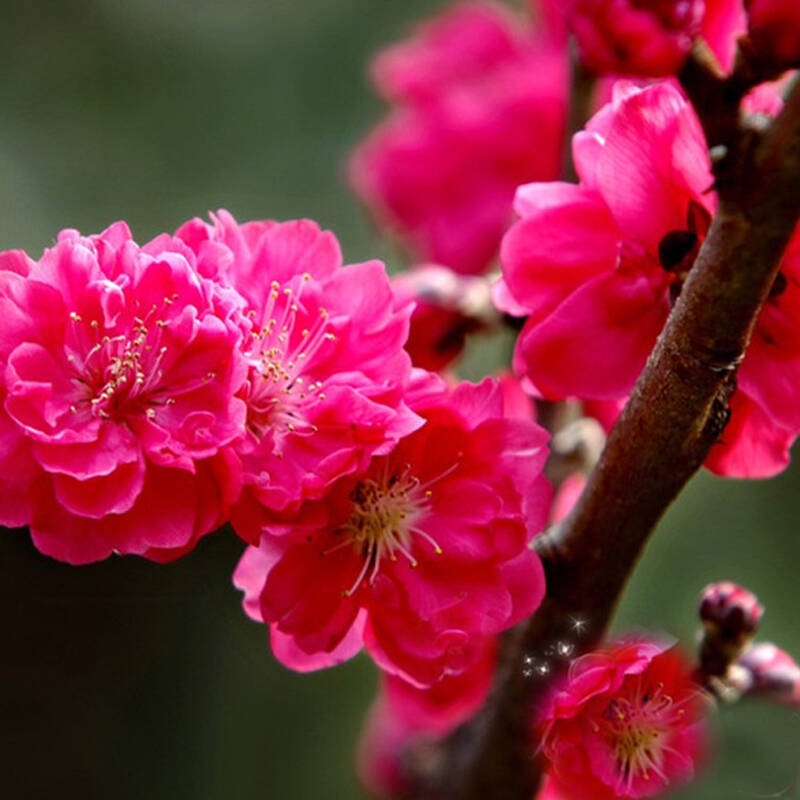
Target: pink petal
(566, 238)
(597, 341)
(654, 158)
(285, 649)
(112, 493)
(752, 444)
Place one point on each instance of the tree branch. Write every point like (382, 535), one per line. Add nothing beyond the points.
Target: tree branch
(675, 414)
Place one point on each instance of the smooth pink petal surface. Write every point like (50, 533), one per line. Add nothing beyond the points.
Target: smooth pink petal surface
(612, 322)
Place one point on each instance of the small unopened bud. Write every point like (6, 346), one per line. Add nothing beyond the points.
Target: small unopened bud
(770, 672)
(583, 439)
(731, 608)
(730, 615)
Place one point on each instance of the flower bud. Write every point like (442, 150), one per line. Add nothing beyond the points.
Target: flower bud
(772, 672)
(730, 615)
(731, 608)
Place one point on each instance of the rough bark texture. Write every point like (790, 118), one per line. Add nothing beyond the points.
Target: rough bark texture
(676, 412)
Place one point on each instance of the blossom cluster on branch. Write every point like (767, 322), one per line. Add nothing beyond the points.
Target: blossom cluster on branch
(243, 374)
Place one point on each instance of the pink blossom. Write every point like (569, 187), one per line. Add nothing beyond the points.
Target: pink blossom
(597, 266)
(585, 262)
(635, 37)
(418, 555)
(626, 722)
(404, 714)
(120, 370)
(765, 413)
(323, 344)
(481, 105)
(774, 27)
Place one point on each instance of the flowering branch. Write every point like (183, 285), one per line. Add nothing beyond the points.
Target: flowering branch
(677, 411)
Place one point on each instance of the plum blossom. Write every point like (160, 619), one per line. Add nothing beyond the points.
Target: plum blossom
(417, 556)
(121, 367)
(626, 722)
(596, 267)
(480, 108)
(635, 37)
(404, 714)
(323, 344)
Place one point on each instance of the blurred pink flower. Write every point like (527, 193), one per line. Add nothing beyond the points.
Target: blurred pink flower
(481, 108)
(626, 722)
(418, 555)
(121, 367)
(323, 345)
(403, 714)
(635, 37)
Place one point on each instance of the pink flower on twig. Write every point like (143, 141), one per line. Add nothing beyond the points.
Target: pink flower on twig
(121, 370)
(635, 37)
(626, 722)
(596, 266)
(416, 556)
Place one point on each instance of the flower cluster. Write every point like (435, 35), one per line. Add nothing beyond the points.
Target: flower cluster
(241, 372)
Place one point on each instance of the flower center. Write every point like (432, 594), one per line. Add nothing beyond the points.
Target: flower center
(280, 351)
(637, 728)
(120, 369)
(384, 521)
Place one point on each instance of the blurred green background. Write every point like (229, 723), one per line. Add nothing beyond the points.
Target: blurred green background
(130, 680)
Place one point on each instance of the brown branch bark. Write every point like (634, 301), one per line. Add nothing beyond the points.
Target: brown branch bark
(675, 414)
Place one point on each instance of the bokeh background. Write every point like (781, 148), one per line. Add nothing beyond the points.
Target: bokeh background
(128, 680)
